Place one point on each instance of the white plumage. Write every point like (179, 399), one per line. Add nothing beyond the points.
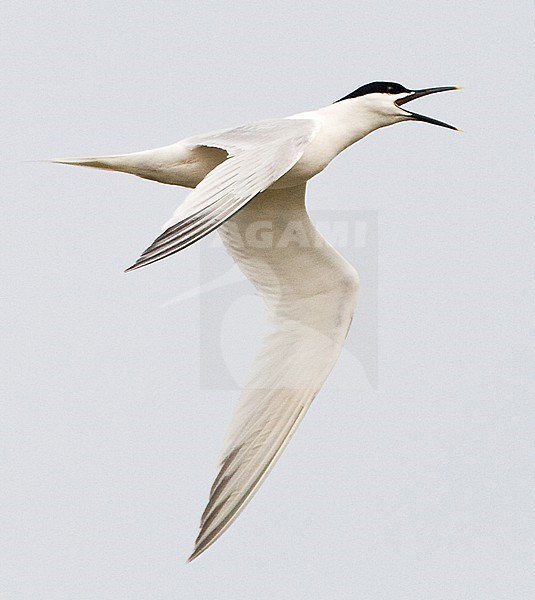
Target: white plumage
(310, 292)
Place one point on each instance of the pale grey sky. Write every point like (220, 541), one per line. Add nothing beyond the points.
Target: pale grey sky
(419, 490)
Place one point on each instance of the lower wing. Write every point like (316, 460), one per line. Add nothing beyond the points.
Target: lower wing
(310, 291)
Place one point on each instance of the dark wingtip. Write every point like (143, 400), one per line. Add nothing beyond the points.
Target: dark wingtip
(132, 268)
(143, 261)
(195, 554)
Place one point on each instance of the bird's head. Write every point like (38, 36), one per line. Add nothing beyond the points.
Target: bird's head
(385, 101)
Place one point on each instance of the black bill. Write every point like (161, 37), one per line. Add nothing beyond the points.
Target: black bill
(419, 94)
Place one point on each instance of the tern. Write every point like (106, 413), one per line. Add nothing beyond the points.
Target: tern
(252, 174)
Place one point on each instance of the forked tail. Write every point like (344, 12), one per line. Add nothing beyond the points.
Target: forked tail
(124, 162)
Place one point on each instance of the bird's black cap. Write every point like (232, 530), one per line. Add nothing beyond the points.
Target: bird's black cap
(377, 87)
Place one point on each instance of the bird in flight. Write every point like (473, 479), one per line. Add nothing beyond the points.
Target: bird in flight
(253, 174)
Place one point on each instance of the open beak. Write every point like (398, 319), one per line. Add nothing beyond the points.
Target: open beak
(419, 94)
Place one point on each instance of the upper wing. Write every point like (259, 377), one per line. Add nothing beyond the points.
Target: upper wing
(310, 291)
(258, 155)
